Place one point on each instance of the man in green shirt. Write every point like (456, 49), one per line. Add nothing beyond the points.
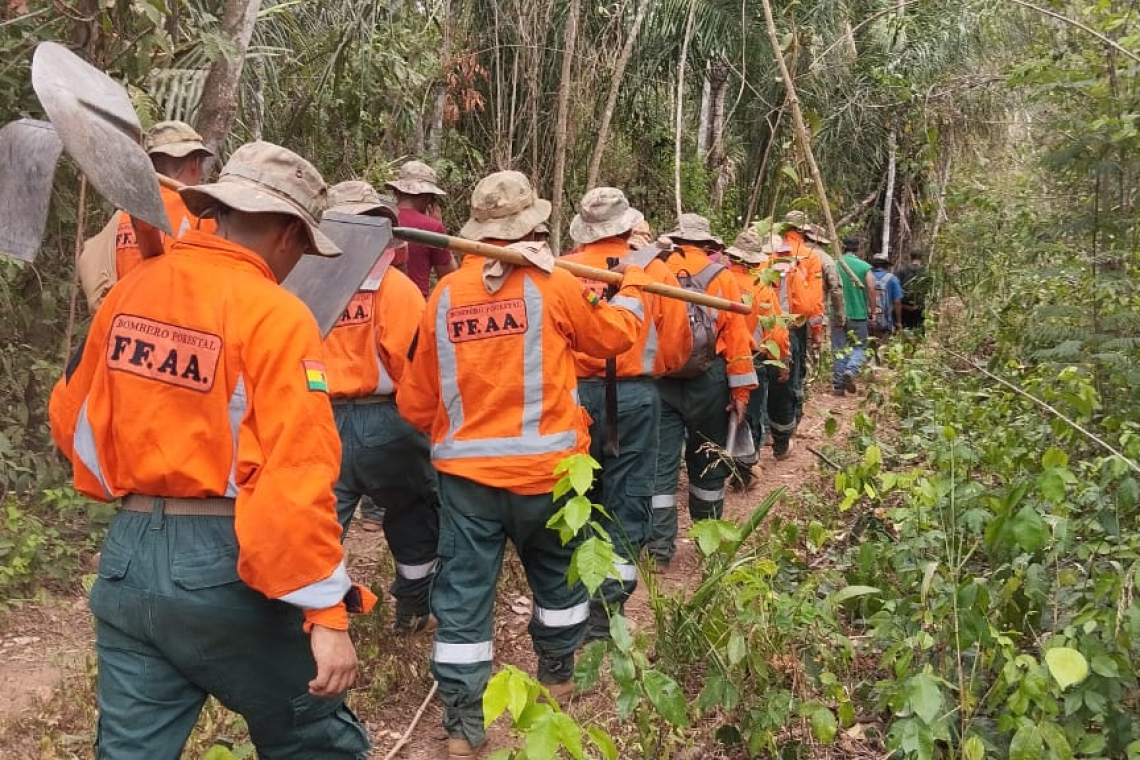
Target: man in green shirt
(849, 341)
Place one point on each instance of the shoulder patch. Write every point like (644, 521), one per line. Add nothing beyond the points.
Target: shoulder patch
(494, 319)
(315, 377)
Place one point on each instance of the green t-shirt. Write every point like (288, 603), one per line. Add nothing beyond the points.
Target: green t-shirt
(853, 296)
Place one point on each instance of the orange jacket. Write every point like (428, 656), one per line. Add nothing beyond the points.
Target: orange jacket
(127, 254)
(492, 380)
(762, 322)
(807, 291)
(733, 339)
(202, 377)
(664, 341)
(367, 349)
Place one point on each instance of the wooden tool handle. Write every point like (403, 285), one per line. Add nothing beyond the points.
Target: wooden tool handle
(170, 183)
(464, 245)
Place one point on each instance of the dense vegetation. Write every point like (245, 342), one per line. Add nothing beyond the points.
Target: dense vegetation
(967, 579)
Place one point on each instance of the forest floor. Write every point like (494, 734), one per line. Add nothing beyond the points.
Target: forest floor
(47, 661)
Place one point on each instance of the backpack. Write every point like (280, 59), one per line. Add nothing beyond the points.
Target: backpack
(885, 317)
(97, 269)
(702, 324)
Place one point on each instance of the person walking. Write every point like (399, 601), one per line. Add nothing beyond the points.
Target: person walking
(915, 284)
(199, 400)
(382, 456)
(888, 294)
(807, 301)
(696, 403)
(849, 339)
(624, 485)
(417, 194)
(492, 381)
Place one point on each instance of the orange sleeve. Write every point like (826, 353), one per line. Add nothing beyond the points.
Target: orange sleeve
(417, 393)
(288, 462)
(671, 317)
(596, 327)
(734, 342)
(399, 308)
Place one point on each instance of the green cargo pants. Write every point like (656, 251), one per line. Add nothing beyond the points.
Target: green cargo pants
(624, 486)
(771, 405)
(475, 523)
(389, 460)
(693, 415)
(800, 337)
(174, 624)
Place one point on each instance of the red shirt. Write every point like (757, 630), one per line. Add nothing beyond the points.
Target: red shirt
(422, 258)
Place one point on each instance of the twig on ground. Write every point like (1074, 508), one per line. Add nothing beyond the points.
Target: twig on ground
(415, 721)
(825, 459)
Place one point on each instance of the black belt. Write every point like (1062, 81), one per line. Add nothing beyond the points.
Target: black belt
(365, 400)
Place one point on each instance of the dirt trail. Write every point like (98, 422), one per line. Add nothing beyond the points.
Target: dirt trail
(46, 648)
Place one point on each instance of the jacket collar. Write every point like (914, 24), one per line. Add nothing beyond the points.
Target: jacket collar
(222, 248)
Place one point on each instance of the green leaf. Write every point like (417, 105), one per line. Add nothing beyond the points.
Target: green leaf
(495, 697)
(620, 634)
(873, 456)
(1067, 666)
(577, 512)
(924, 696)
(592, 563)
(1028, 529)
(1054, 457)
(1027, 744)
(579, 468)
(218, 752)
(666, 697)
(542, 740)
(588, 667)
(1055, 739)
(569, 734)
(622, 669)
(823, 725)
(737, 648)
(603, 742)
(1103, 665)
(851, 592)
(973, 749)
(830, 426)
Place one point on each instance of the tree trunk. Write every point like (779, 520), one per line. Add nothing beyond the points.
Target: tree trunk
(773, 135)
(435, 129)
(679, 122)
(615, 90)
(889, 200)
(704, 119)
(220, 93)
(716, 160)
(562, 127)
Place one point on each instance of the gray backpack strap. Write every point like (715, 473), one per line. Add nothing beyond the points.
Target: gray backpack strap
(642, 256)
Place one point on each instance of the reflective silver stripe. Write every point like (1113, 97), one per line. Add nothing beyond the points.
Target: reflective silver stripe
(385, 386)
(562, 618)
(706, 495)
(530, 441)
(322, 594)
(664, 501)
(649, 354)
(785, 302)
(236, 411)
(626, 571)
(629, 304)
(782, 428)
(84, 444)
(815, 321)
(758, 334)
(417, 572)
(740, 381)
(462, 654)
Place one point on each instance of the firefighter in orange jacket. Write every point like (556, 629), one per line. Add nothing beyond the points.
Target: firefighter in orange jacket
(697, 401)
(493, 382)
(807, 301)
(624, 486)
(199, 399)
(382, 455)
(771, 403)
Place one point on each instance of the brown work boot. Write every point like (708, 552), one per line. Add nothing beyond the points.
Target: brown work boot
(415, 625)
(460, 749)
(561, 692)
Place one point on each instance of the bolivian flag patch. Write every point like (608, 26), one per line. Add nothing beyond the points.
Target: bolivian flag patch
(315, 376)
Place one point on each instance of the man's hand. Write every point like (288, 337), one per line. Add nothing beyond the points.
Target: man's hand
(737, 406)
(785, 375)
(336, 661)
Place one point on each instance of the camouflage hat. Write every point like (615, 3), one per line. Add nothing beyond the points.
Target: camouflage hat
(604, 212)
(355, 196)
(504, 207)
(749, 247)
(775, 244)
(797, 220)
(174, 138)
(694, 228)
(816, 234)
(416, 178)
(263, 178)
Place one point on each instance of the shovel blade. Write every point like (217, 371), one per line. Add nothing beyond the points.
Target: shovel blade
(326, 285)
(100, 130)
(29, 152)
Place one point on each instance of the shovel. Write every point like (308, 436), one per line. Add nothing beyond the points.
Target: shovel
(29, 151)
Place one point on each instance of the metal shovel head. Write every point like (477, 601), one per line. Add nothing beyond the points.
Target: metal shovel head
(100, 131)
(29, 151)
(326, 285)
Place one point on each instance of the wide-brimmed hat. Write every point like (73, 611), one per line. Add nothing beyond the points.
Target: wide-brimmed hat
(416, 178)
(504, 207)
(174, 138)
(356, 196)
(797, 220)
(775, 244)
(604, 212)
(263, 178)
(694, 228)
(816, 234)
(881, 256)
(750, 247)
(850, 245)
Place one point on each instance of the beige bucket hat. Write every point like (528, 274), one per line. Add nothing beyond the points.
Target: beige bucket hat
(816, 234)
(750, 247)
(356, 196)
(504, 207)
(775, 244)
(416, 178)
(604, 212)
(797, 220)
(694, 228)
(174, 138)
(263, 178)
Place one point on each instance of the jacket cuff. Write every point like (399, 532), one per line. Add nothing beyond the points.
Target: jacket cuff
(741, 394)
(335, 617)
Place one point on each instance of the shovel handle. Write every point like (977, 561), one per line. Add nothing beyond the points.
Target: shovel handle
(170, 183)
(464, 245)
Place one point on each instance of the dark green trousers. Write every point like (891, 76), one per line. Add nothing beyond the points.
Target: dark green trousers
(693, 415)
(799, 340)
(475, 523)
(771, 405)
(389, 460)
(624, 486)
(174, 624)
